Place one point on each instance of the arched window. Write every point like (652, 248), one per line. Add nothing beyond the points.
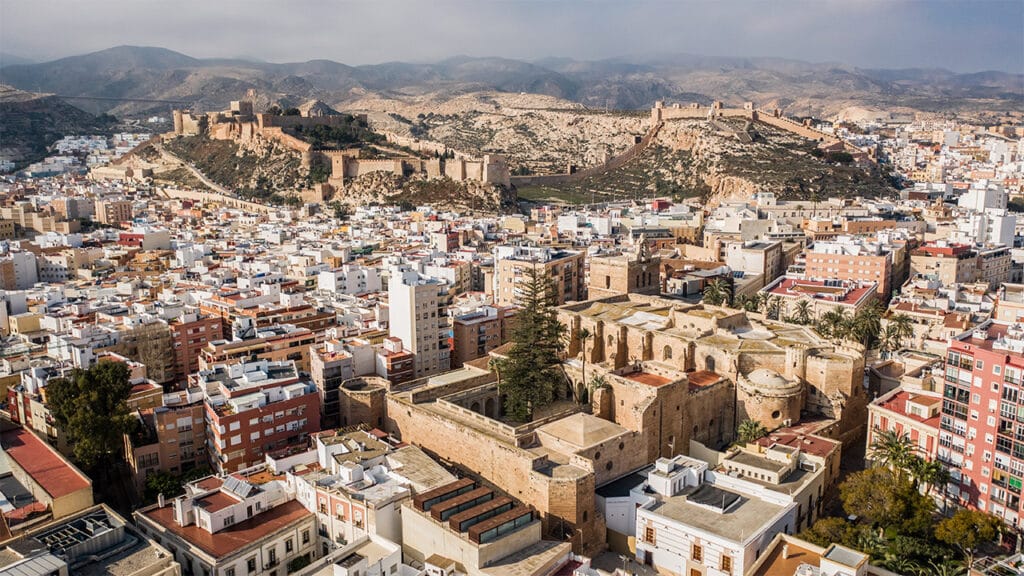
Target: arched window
(611, 341)
(607, 281)
(709, 364)
(666, 353)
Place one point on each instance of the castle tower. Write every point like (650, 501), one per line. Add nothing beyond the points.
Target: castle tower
(178, 123)
(639, 273)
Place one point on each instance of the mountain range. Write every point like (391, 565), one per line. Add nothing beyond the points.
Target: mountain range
(153, 79)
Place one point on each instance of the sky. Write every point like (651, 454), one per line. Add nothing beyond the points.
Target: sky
(960, 35)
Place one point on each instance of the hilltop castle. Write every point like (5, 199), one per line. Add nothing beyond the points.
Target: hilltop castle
(241, 124)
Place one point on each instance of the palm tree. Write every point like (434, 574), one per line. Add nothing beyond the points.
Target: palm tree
(803, 312)
(717, 292)
(762, 299)
(889, 340)
(772, 307)
(901, 564)
(833, 323)
(903, 326)
(750, 430)
(930, 474)
(867, 324)
(894, 451)
(943, 569)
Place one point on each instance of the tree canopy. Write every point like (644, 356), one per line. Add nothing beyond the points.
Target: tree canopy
(91, 410)
(531, 374)
(750, 430)
(968, 530)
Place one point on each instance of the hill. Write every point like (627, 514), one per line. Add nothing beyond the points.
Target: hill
(799, 88)
(29, 123)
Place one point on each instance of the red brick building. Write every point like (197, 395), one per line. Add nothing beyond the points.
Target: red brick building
(191, 333)
(256, 408)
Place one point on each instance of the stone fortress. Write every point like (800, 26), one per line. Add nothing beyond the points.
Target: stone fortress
(241, 124)
(654, 378)
(782, 373)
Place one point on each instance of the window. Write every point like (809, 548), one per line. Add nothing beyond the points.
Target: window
(305, 536)
(250, 565)
(288, 545)
(650, 536)
(229, 572)
(726, 564)
(698, 553)
(229, 520)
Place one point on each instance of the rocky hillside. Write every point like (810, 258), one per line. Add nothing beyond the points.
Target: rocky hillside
(537, 134)
(721, 161)
(266, 171)
(29, 123)
(261, 170)
(387, 189)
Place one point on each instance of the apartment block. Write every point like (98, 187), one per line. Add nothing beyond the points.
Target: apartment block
(415, 319)
(191, 332)
(981, 437)
(256, 408)
(565, 268)
(241, 524)
(475, 334)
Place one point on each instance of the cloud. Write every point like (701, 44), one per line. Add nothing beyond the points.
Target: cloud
(891, 33)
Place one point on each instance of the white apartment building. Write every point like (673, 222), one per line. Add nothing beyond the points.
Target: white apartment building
(243, 524)
(350, 279)
(415, 319)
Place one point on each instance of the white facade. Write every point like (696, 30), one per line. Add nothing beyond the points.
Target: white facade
(414, 320)
(349, 279)
(680, 531)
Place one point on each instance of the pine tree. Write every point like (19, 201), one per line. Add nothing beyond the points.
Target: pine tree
(91, 410)
(530, 375)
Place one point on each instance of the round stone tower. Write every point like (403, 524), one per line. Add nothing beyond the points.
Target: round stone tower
(769, 398)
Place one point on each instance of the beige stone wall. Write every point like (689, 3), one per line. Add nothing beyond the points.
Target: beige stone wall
(560, 500)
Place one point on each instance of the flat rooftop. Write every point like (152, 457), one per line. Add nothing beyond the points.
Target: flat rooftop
(737, 524)
(647, 378)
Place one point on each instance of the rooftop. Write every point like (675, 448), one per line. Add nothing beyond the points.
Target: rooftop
(898, 403)
(746, 517)
(583, 430)
(58, 477)
(234, 538)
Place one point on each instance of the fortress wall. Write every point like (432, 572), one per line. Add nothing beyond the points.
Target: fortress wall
(393, 166)
(268, 120)
(432, 167)
(612, 164)
(795, 127)
(415, 143)
(214, 197)
(455, 169)
(276, 133)
(474, 170)
(561, 501)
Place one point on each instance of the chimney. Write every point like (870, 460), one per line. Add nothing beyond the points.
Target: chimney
(160, 500)
(785, 551)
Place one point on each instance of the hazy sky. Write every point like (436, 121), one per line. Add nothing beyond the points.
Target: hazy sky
(962, 35)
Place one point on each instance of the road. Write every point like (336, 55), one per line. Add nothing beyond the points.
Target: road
(202, 177)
